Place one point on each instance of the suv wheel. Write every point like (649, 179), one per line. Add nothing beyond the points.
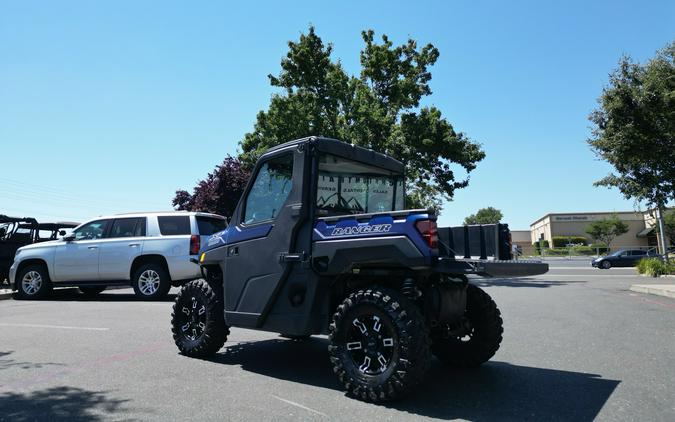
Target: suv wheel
(33, 282)
(151, 281)
(480, 337)
(198, 321)
(379, 345)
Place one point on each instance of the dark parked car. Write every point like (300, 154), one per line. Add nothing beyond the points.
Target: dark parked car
(16, 232)
(623, 258)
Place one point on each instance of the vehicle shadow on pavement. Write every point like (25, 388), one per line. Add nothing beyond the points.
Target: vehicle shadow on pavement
(502, 391)
(127, 295)
(495, 391)
(59, 403)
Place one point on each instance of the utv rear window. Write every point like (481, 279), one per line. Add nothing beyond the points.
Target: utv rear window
(350, 187)
(207, 226)
(172, 225)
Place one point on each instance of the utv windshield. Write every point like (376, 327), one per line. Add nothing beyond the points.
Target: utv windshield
(351, 187)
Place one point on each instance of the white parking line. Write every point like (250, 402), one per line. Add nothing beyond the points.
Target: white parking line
(590, 268)
(299, 405)
(587, 275)
(64, 327)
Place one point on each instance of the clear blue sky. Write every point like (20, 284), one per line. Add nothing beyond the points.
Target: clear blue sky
(110, 107)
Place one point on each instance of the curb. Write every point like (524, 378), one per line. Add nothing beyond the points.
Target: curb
(667, 290)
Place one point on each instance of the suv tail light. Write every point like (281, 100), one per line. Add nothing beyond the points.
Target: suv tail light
(194, 244)
(429, 232)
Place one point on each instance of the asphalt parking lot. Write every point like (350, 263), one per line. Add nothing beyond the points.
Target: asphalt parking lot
(578, 345)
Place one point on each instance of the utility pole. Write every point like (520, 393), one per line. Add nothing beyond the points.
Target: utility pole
(662, 232)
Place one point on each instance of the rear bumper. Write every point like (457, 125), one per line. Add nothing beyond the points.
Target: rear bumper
(181, 268)
(487, 268)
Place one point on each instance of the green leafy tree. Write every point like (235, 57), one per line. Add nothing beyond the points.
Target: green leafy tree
(378, 109)
(634, 129)
(487, 215)
(607, 229)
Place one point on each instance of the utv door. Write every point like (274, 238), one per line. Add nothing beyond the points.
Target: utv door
(261, 242)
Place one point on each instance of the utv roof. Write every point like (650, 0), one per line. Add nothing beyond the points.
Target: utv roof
(7, 219)
(58, 225)
(346, 150)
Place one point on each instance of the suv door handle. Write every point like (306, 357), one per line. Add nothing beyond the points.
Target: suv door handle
(134, 244)
(92, 247)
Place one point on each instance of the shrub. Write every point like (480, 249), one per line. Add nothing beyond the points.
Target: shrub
(655, 267)
(562, 241)
(537, 246)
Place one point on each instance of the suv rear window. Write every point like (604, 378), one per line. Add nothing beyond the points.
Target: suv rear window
(172, 225)
(207, 225)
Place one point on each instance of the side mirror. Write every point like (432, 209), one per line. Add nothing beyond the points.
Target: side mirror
(69, 238)
(62, 232)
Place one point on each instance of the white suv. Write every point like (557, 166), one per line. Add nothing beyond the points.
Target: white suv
(149, 251)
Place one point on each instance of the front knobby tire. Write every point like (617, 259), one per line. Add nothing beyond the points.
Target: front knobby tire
(481, 338)
(379, 345)
(197, 320)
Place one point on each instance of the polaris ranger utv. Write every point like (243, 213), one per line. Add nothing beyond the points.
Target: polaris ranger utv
(321, 243)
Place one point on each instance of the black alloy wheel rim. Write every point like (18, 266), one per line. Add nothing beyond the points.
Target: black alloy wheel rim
(371, 343)
(192, 321)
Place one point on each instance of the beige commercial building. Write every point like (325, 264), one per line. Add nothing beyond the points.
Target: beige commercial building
(642, 231)
(523, 239)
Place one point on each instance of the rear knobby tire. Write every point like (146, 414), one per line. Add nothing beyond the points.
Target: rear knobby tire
(33, 282)
(481, 342)
(379, 345)
(197, 320)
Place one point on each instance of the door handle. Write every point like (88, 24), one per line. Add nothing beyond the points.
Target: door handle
(134, 244)
(92, 247)
(292, 257)
(233, 251)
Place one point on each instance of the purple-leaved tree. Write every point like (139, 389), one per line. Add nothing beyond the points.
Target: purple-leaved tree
(219, 192)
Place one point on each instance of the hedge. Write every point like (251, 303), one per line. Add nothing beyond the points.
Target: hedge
(562, 241)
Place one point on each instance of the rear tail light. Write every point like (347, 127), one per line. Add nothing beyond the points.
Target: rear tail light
(429, 232)
(194, 244)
